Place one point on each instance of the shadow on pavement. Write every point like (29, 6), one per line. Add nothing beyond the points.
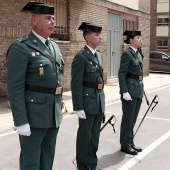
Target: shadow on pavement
(109, 160)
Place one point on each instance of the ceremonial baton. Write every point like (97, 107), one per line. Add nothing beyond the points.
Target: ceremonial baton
(147, 101)
(155, 100)
(111, 121)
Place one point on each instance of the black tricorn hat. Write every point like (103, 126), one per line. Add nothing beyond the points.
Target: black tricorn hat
(38, 7)
(86, 26)
(133, 33)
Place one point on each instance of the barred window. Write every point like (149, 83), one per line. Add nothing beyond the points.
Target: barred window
(61, 31)
(130, 22)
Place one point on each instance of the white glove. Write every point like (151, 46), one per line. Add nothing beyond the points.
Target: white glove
(81, 114)
(24, 130)
(127, 96)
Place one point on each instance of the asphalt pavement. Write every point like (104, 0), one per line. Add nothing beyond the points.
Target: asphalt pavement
(65, 149)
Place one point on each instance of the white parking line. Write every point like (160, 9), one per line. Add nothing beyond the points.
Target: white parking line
(145, 152)
(160, 88)
(155, 118)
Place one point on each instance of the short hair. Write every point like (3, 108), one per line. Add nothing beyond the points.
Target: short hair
(85, 33)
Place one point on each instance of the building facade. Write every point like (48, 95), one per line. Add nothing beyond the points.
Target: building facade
(160, 25)
(114, 16)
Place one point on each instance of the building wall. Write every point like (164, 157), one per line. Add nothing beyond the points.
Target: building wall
(153, 23)
(16, 24)
(144, 26)
(159, 9)
(133, 4)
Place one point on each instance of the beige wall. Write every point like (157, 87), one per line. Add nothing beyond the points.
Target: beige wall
(133, 4)
(162, 7)
(162, 31)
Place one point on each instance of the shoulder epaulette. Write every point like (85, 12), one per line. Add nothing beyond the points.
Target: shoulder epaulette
(52, 40)
(81, 51)
(22, 39)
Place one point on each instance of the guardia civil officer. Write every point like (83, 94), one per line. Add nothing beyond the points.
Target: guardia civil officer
(131, 89)
(88, 96)
(34, 82)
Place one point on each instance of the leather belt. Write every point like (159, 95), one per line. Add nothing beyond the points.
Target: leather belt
(135, 76)
(93, 85)
(39, 89)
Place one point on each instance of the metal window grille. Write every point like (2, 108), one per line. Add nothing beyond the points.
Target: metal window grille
(130, 22)
(61, 31)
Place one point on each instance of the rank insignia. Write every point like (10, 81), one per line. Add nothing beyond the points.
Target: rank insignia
(33, 54)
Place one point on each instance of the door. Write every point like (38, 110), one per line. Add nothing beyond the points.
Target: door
(115, 29)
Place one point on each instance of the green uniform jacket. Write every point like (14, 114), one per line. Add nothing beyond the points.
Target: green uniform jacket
(40, 110)
(130, 64)
(92, 101)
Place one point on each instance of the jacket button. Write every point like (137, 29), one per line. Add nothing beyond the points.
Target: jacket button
(87, 94)
(32, 100)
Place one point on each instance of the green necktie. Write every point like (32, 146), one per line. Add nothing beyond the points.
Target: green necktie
(95, 55)
(138, 55)
(50, 48)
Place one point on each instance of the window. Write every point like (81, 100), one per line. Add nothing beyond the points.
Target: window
(61, 16)
(130, 23)
(162, 44)
(162, 21)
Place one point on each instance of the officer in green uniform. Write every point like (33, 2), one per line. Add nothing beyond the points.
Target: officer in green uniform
(88, 96)
(131, 89)
(34, 84)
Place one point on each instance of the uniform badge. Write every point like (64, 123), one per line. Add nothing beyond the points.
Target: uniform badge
(37, 53)
(35, 41)
(41, 70)
(33, 54)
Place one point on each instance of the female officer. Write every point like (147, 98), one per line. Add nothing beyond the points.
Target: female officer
(131, 89)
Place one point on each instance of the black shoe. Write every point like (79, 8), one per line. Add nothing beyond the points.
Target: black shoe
(130, 151)
(138, 149)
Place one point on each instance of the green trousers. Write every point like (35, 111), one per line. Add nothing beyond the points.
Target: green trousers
(38, 149)
(130, 113)
(88, 141)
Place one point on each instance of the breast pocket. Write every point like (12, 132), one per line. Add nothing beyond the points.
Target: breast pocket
(92, 74)
(40, 68)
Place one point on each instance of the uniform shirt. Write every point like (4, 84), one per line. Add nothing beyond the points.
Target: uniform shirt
(91, 49)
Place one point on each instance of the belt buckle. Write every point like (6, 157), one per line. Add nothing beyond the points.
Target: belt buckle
(140, 78)
(100, 86)
(58, 90)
